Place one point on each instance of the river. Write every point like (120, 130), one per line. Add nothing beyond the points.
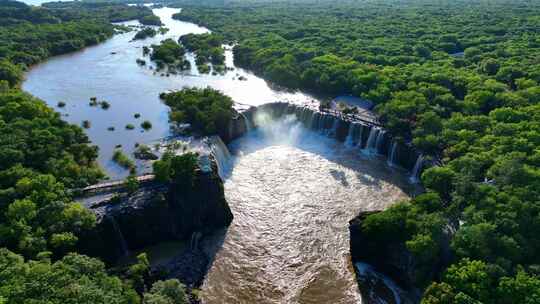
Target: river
(292, 191)
(109, 72)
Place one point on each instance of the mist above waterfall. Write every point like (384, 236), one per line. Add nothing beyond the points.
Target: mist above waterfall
(284, 130)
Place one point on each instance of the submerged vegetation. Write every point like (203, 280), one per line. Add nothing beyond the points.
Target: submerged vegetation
(123, 160)
(146, 125)
(458, 79)
(208, 111)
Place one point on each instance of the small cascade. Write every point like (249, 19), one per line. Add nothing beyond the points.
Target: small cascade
(333, 130)
(371, 144)
(221, 154)
(320, 124)
(195, 237)
(349, 141)
(118, 232)
(415, 174)
(360, 135)
(368, 274)
(354, 137)
(392, 159)
(315, 121)
(311, 116)
(305, 116)
(379, 141)
(329, 123)
(249, 127)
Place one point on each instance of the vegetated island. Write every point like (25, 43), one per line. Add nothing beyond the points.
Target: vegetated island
(169, 54)
(206, 110)
(208, 51)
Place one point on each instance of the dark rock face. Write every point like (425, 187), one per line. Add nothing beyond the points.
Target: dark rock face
(391, 259)
(394, 260)
(189, 266)
(237, 128)
(342, 130)
(152, 215)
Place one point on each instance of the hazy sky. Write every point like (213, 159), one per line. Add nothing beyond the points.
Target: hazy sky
(37, 2)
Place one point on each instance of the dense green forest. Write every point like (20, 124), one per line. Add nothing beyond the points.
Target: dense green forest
(207, 110)
(41, 158)
(458, 79)
(31, 34)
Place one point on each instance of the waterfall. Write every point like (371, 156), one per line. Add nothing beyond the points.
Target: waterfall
(335, 124)
(118, 232)
(315, 121)
(354, 137)
(221, 154)
(392, 158)
(305, 116)
(349, 141)
(320, 122)
(309, 123)
(247, 122)
(379, 141)
(195, 236)
(360, 135)
(371, 143)
(415, 174)
(366, 271)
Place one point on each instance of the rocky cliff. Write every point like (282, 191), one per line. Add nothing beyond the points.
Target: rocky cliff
(153, 214)
(393, 260)
(238, 126)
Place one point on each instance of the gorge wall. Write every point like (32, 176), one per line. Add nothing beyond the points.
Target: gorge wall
(152, 215)
(395, 260)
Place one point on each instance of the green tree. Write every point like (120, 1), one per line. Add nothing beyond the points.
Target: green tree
(73, 279)
(10, 73)
(440, 180)
(166, 292)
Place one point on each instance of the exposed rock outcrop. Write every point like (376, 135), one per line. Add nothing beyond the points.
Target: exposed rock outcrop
(394, 260)
(238, 126)
(152, 215)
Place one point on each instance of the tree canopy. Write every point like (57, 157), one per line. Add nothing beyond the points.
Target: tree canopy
(207, 110)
